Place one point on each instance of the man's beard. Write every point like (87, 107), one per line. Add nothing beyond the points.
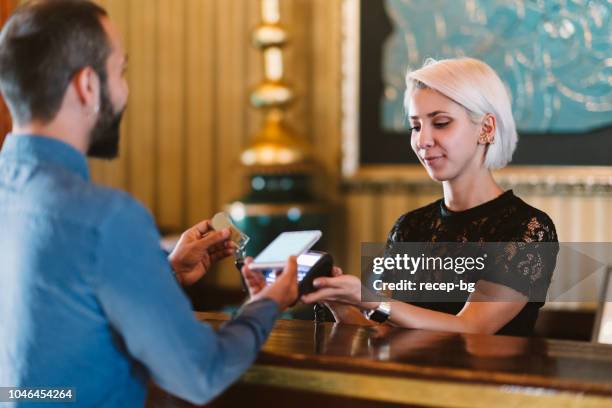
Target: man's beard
(104, 137)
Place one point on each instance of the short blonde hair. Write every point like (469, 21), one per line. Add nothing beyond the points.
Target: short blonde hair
(474, 85)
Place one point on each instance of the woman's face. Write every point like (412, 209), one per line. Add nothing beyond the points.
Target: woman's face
(443, 136)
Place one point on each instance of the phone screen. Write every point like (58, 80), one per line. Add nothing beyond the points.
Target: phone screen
(304, 263)
(284, 246)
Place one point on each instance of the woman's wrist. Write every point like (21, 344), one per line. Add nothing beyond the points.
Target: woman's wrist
(346, 313)
(368, 306)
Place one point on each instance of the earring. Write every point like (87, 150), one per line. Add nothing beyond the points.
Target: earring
(485, 139)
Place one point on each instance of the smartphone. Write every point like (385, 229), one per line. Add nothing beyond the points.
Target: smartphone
(275, 255)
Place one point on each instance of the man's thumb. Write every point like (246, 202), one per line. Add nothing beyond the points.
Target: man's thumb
(290, 267)
(213, 237)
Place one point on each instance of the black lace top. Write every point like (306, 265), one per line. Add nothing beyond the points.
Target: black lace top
(506, 219)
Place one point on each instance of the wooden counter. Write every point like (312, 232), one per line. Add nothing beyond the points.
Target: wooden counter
(303, 364)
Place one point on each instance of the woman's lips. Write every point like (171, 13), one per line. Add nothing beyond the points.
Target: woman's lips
(433, 160)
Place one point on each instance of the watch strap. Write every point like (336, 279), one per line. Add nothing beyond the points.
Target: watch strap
(381, 313)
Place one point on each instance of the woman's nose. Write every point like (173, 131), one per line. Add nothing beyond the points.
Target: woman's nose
(424, 139)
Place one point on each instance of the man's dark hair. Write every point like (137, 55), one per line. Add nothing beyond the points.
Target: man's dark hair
(42, 46)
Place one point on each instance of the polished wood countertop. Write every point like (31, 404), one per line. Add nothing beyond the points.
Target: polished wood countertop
(418, 368)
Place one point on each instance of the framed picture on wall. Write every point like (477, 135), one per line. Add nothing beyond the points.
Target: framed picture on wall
(553, 58)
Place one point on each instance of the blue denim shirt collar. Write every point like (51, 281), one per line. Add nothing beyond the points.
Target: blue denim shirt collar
(46, 150)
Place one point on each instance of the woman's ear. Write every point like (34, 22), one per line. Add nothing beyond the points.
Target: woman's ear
(487, 130)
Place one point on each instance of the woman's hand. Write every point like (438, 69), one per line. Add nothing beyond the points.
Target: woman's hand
(339, 289)
(342, 312)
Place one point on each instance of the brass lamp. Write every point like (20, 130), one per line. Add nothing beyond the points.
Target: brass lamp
(276, 144)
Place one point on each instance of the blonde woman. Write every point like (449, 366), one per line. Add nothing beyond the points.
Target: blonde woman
(461, 129)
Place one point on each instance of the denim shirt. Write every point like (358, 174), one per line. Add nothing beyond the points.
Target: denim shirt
(87, 297)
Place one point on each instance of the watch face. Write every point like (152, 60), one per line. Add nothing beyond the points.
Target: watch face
(378, 316)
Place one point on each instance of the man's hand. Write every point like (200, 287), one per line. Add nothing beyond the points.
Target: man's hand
(284, 290)
(254, 280)
(197, 250)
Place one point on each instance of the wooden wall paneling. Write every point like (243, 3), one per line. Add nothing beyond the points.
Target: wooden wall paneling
(601, 215)
(141, 40)
(116, 171)
(607, 218)
(575, 209)
(200, 108)
(254, 74)
(591, 219)
(171, 95)
(232, 97)
(97, 171)
(579, 223)
(325, 118)
(553, 207)
(392, 205)
(413, 202)
(363, 214)
(427, 198)
(565, 225)
(296, 16)
(326, 86)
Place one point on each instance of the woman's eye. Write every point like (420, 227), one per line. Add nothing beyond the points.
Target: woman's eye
(415, 129)
(441, 125)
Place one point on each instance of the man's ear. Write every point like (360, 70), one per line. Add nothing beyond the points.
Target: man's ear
(487, 130)
(87, 87)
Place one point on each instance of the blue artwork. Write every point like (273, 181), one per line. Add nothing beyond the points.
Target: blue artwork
(555, 57)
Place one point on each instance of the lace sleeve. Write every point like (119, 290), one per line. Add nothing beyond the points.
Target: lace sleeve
(395, 235)
(526, 261)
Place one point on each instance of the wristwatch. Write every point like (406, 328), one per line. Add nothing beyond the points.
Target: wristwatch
(381, 313)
